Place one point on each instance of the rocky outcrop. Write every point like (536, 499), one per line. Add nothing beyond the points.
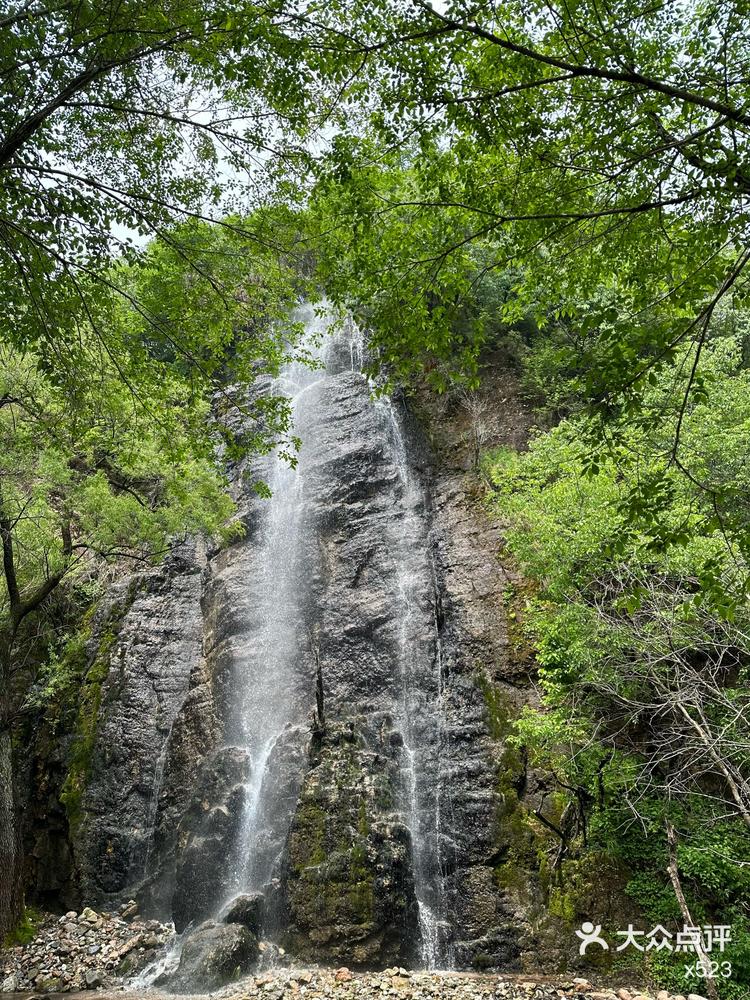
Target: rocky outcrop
(480, 666)
(348, 882)
(246, 909)
(508, 908)
(203, 876)
(145, 641)
(383, 805)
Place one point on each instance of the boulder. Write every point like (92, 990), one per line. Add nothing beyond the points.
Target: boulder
(215, 954)
(246, 909)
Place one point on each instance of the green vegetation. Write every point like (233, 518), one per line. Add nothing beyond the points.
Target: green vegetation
(333, 871)
(567, 184)
(25, 930)
(641, 637)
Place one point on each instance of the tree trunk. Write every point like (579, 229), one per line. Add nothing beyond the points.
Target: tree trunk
(11, 888)
(721, 765)
(674, 878)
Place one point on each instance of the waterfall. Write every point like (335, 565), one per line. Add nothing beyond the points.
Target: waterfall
(420, 708)
(283, 637)
(267, 673)
(267, 696)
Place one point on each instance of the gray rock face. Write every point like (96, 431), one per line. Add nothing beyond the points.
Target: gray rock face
(148, 648)
(215, 954)
(209, 825)
(348, 880)
(474, 639)
(375, 805)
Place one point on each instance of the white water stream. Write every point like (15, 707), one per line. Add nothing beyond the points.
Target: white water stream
(266, 670)
(267, 703)
(421, 689)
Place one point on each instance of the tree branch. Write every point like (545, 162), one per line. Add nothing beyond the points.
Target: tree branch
(576, 70)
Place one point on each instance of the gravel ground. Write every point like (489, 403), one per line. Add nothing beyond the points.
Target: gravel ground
(88, 951)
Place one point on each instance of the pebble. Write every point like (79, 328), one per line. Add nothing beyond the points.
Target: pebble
(85, 952)
(81, 951)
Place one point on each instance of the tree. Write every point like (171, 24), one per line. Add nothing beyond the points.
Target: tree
(590, 146)
(642, 635)
(118, 120)
(113, 452)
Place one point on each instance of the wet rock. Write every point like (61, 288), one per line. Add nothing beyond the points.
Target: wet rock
(214, 955)
(350, 894)
(146, 638)
(207, 831)
(246, 909)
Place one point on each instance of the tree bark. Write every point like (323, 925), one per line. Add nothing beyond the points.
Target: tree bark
(11, 883)
(11, 850)
(674, 878)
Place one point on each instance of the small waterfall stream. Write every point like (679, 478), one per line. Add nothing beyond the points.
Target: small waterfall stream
(420, 709)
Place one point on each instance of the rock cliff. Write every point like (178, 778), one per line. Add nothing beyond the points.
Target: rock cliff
(380, 807)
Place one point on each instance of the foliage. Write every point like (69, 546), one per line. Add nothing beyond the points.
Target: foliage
(642, 638)
(584, 163)
(25, 930)
(118, 121)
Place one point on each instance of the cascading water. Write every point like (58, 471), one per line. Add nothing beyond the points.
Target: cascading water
(420, 709)
(276, 585)
(270, 693)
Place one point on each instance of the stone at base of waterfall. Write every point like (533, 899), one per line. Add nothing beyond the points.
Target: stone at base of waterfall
(214, 955)
(246, 909)
(83, 951)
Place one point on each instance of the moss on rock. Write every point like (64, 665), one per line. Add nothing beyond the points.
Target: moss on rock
(347, 885)
(86, 662)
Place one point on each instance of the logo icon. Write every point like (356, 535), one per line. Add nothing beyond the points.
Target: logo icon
(590, 935)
